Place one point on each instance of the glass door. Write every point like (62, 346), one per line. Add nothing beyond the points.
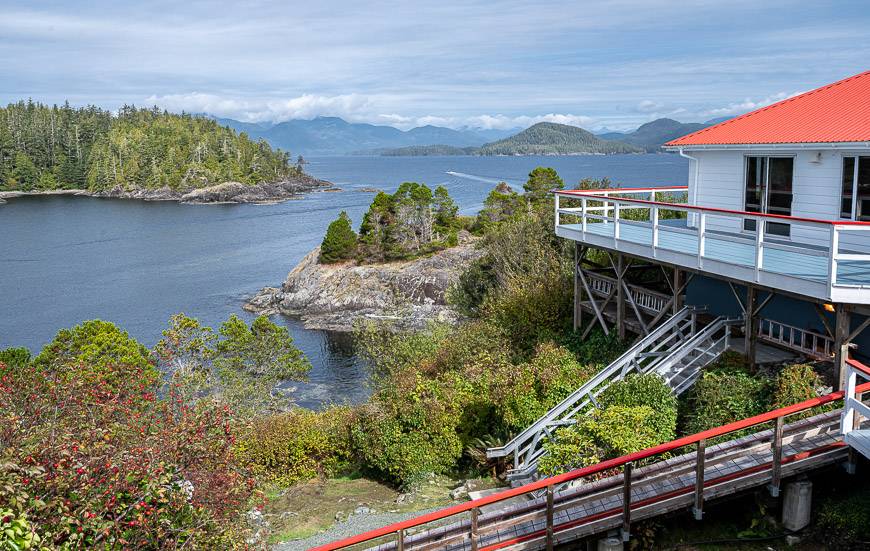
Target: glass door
(769, 191)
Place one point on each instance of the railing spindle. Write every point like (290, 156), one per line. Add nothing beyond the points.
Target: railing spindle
(702, 235)
(832, 259)
(760, 226)
(400, 540)
(698, 509)
(550, 517)
(474, 514)
(626, 501)
(776, 448)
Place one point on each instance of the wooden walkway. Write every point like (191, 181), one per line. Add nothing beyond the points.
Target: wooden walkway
(658, 488)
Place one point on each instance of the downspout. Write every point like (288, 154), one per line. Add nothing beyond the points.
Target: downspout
(693, 200)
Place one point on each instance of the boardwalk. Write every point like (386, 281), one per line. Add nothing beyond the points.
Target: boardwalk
(658, 488)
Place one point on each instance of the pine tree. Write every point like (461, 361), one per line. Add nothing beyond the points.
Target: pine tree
(541, 181)
(25, 175)
(340, 241)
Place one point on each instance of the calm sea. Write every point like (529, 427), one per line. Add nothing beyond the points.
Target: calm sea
(68, 259)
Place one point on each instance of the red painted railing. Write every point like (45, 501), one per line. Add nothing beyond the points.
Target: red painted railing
(399, 527)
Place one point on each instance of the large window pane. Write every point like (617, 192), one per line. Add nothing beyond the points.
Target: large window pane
(848, 187)
(755, 167)
(769, 190)
(863, 190)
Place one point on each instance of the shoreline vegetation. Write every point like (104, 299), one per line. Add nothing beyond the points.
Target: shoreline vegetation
(142, 154)
(106, 443)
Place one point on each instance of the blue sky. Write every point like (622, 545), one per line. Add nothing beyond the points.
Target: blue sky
(486, 64)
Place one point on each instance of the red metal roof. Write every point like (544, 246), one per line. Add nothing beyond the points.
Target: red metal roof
(838, 112)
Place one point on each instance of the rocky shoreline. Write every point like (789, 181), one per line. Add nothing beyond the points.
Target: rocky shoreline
(227, 192)
(409, 294)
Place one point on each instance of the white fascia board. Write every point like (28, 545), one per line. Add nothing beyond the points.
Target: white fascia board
(769, 146)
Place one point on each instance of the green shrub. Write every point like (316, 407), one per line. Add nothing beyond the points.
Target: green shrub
(605, 434)
(844, 520)
(796, 383)
(472, 286)
(721, 397)
(465, 343)
(596, 348)
(340, 241)
(15, 357)
(297, 445)
(388, 351)
(645, 390)
(524, 392)
(409, 428)
(541, 181)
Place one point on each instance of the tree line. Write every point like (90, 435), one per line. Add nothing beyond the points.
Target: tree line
(61, 147)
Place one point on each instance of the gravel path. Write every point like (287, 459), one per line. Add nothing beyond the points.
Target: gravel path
(356, 524)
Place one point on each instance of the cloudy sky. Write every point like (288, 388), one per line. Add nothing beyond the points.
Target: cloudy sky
(486, 64)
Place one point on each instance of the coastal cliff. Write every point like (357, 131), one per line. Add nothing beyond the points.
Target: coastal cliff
(334, 296)
(227, 192)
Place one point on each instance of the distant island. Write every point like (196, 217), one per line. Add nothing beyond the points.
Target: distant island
(544, 138)
(652, 135)
(139, 153)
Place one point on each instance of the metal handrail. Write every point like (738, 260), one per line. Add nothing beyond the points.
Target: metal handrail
(625, 462)
(515, 445)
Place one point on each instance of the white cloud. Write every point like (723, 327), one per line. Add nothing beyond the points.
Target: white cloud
(747, 105)
(647, 106)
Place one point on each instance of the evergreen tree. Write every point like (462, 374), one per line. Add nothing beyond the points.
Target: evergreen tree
(541, 181)
(340, 241)
(24, 174)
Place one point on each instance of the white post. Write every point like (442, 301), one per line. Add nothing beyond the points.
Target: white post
(655, 228)
(702, 232)
(556, 210)
(847, 419)
(760, 226)
(583, 211)
(615, 220)
(832, 259)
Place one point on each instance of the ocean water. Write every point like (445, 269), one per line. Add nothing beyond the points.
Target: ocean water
(64, 260)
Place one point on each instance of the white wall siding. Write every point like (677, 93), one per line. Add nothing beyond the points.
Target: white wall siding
(816, 188)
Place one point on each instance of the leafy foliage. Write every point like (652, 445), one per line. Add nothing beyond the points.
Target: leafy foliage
(796, 383)
(241, 368)
(297, 445)
(93, 456)
(339, 243)
(44, 147)
(844, 520)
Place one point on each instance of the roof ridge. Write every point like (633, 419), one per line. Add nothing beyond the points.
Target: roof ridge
(772, 105)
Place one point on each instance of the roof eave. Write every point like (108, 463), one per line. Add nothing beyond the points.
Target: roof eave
(768, 146)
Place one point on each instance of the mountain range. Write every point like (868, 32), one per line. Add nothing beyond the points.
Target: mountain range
(335, 136)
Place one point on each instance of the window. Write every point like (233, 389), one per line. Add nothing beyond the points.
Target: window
(769, 191)
(855, 202)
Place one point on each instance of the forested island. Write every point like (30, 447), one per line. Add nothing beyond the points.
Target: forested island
(146, 153)
(544, 138)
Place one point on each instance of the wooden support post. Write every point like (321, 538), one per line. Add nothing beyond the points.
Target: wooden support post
(776, 465)
(698, 509)
(677, 287)
(474, 514)
(400, 540)
(626, 501)
(841, 343)
(751, 325)
(620, 296)
(550, 517)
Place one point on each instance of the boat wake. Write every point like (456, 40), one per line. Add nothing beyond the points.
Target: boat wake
(475, 178)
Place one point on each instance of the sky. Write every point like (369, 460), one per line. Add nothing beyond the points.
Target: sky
(468, 63)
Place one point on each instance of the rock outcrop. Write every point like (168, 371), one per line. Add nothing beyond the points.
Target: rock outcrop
(227, 192)
(334, 296)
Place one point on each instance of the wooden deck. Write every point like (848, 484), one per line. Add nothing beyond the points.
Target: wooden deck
(656, 489)
(733, 249)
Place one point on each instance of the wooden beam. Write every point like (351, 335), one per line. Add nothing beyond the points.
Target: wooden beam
(619, 266)
(751, 325)
(859, 330)
(824, 318)
(578, 310)
(594, 305)
(678, 296)
(841, 343)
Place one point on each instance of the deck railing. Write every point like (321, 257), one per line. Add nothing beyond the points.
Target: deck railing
(648, 211)
(470, 530)
(853, 407)
(805, 341)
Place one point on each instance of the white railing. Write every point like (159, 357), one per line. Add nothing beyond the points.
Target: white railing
(810, 343)
(610, 206)
(649, 301)
(853, 407)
